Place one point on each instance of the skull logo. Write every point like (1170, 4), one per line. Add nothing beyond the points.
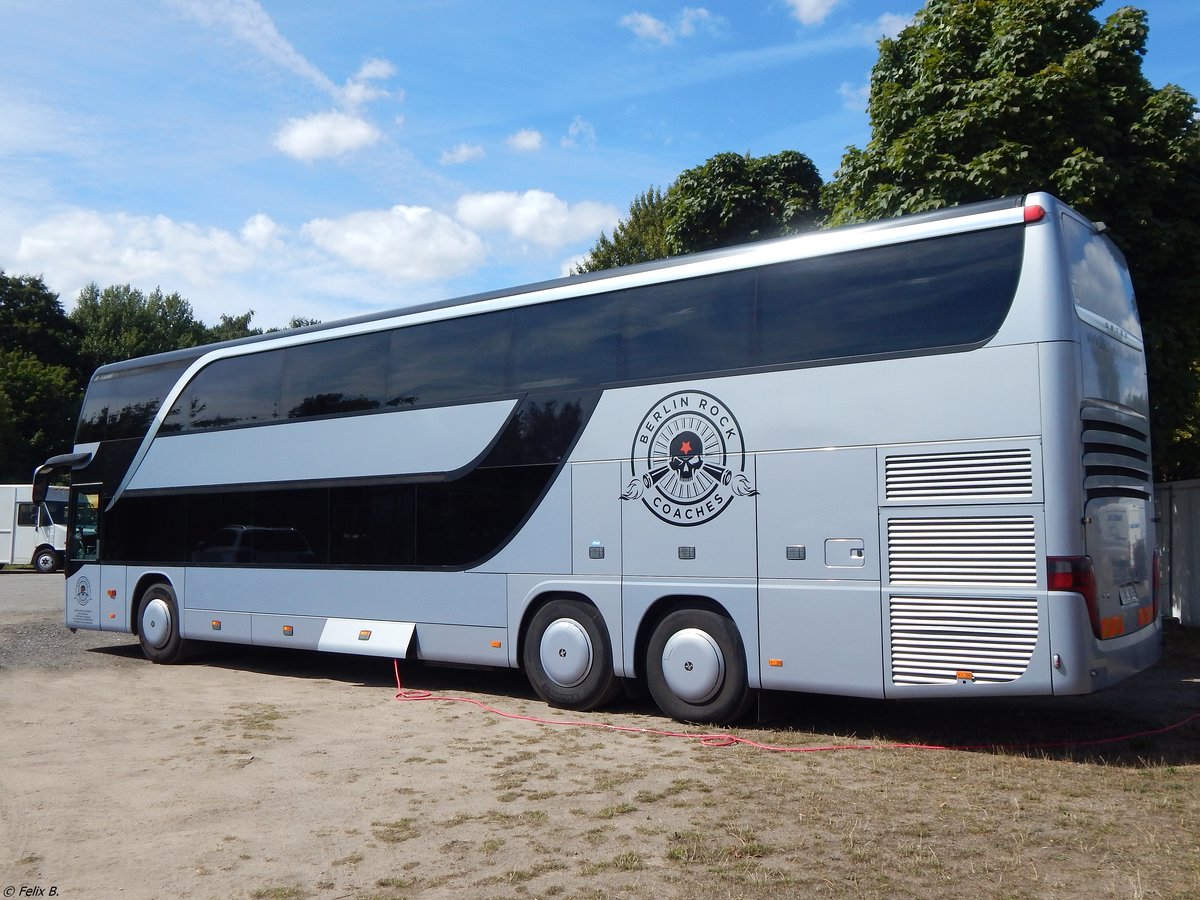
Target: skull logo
(687, 454)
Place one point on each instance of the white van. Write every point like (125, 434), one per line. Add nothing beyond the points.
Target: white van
(30, 533)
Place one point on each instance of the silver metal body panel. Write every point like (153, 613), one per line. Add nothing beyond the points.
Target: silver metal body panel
(409, 441)
(449, 598)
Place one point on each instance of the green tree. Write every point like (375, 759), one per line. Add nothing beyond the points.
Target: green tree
(32, 320)
(985, 98)
(732, 199)
(38, 406)
(231, 328)
(640, 237)
(120, 322)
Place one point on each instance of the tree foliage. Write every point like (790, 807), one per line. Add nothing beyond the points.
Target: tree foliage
(640, 237)
(42, 402)
(33, 320)
(121, 322)
(986, 98)
(732, 199)
(729, 199)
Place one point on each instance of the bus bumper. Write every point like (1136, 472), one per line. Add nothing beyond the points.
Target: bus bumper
(1082, 664)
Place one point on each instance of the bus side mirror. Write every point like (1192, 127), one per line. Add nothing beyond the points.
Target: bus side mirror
(41, 487)
(41, 475)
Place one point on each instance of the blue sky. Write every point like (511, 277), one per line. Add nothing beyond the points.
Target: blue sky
(329, 159)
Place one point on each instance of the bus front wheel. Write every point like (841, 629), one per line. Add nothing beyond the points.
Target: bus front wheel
(696, 668)
(158, 624)
(568, 657)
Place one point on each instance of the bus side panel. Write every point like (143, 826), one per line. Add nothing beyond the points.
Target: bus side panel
(435, 597)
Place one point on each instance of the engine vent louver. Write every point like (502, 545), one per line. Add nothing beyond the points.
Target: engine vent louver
(993, 550)
(942, 640)
(1116, 454)
(986, 475)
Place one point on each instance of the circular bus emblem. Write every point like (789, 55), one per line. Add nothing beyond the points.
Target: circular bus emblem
(688, 459)
(83, 591)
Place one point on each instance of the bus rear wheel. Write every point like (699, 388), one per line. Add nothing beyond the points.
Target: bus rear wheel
(158, 624)
(568, 657)
(696, 668)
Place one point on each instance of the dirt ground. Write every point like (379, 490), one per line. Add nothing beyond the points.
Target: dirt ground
(273, 774)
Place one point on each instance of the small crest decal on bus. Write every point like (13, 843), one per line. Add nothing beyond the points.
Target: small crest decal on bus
(688, 459)
(83, 591)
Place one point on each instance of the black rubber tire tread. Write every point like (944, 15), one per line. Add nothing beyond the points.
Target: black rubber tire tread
(734, 698)
(173, 650)
(600, 685)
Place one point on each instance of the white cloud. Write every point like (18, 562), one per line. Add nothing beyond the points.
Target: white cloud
(693, 17)
(358, 88)
(811, 12)
(80, 246)
(688, 21)
(647, 27)
(412, 243)
(325, 135)
(537, 217)
(261, 232)
(526, 141)
(249, 23)
(462, 153)
(581, 131)
(889, 25)
(854, 96)
(317, 136)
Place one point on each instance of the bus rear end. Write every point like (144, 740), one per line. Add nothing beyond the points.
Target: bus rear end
(1104, 596)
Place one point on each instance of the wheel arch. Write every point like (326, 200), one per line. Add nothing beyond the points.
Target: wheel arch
(659, 610)
(42, 548)
(540, 600)
(143, 584)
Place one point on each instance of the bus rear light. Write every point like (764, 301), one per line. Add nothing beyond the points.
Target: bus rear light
(1146, 615)
(1111, 627)
(776, 663)
(496, 645)
(1074, 574)
(1034, 213)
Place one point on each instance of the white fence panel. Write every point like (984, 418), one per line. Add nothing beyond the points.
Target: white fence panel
(1178, 508)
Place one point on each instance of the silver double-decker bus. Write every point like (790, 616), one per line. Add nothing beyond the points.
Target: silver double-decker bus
(908, 459)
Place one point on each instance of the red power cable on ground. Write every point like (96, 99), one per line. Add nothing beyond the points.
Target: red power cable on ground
(723, 739)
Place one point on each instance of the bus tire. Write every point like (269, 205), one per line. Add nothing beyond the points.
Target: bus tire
(46, 561)
(158, 624)
(696, 668)
(567, 656)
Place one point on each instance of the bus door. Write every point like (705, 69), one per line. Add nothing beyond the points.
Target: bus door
(819, 570)
(87, 581)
